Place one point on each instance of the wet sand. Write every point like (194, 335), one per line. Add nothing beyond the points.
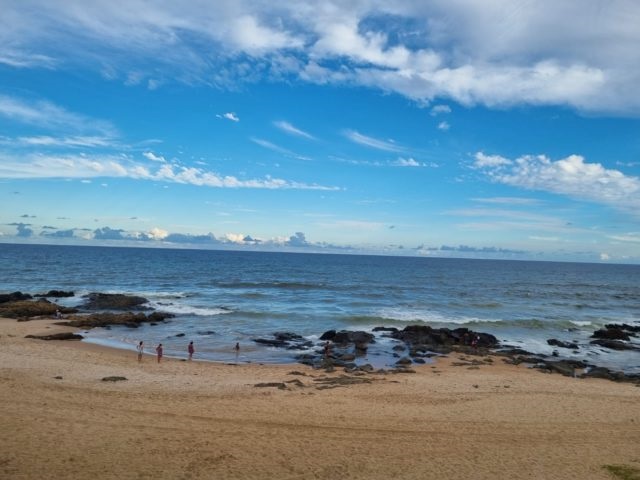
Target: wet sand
(199, 420)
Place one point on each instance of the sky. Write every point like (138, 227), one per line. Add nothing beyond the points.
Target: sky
(444, 128)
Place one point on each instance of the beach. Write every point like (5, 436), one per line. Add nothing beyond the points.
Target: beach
(196, 420)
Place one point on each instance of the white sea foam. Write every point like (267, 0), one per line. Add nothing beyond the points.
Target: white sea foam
(403, 315)
(181, 309)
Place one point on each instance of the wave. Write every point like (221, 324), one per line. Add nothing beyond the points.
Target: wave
(275, 285)
(181, 309)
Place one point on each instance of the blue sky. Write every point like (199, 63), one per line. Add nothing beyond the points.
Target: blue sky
(484, 129)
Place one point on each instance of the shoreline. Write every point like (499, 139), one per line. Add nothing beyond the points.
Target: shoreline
(201, 419)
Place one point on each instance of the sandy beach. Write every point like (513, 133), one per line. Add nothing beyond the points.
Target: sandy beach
(199, 420)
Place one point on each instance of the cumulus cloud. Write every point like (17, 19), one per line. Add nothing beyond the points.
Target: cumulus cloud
(439, 110)
(444, 126)
(107, 233)
(229, 116)
(23, 230)
(153, 157)
(407, 162)
(298, 240)
(59, 234)
(570, 176)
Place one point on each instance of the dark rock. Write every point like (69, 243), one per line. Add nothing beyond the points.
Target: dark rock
(385, 329)
(328, 335)
(559, 343)
(279, 385)
(57, 336)
(55, 294)
(14, 297)
(25, 309)
(287, 336)
(624, 326)
(129, 319)
(404, 361)
(180, 335)
(208, 332)
(614, 333)
(614, 344)
(398, 348)
(426, 335)
(271, 342)
(564, 367)
(113, 301)
(348, 336)
(114, 379)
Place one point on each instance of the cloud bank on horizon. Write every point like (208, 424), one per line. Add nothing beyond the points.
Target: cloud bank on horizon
(280, 117)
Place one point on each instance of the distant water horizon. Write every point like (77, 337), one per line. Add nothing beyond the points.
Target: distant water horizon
(220, 297)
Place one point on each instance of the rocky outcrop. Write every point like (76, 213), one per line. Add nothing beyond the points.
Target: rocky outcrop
(291, 341)
(26, 309)
(113, 301)
(128, 319)
(614, 344)
(558, 343)
(55, 294)
(427, 336)
(14, 297)
(57, 336)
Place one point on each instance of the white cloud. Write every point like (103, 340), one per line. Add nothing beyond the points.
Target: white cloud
(153, 157)
(508, 200)
(287, 127)
(444, 126)
(489, 53)
(157, 233)
(229, 116)
(633, 237)
(46, 114)
(570, 176)
(605, 257)
(367, 141)
(440, 109)
(276, 148)
(408, 162)
(482, 160)
(85, 167)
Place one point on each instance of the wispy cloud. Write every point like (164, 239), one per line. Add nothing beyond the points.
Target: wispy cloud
(288, 128)
(509, 200)
(570, 176)
(46, 114)
(385, 145)
(458, 57)
(276, 148)
(84, 167)
(444, 126)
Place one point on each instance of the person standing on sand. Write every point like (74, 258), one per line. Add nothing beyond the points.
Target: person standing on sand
(140, 349)
(159, 352)
(191, 350)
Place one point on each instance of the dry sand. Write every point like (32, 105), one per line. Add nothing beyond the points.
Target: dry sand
(197, 420)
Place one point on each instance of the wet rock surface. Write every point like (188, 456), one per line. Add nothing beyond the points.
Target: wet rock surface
(128, 319)
(57, 336)
(27, 309)
(113, 301)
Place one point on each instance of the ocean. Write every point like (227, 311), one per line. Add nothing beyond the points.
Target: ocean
(223, 297)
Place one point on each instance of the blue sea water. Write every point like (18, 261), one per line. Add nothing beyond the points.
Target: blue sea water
(223, 297)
